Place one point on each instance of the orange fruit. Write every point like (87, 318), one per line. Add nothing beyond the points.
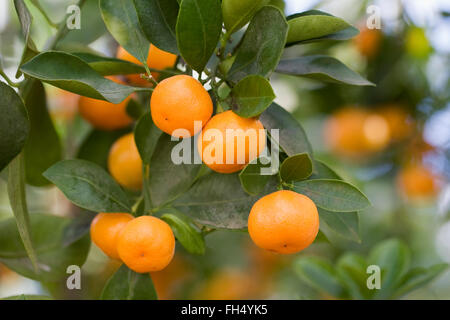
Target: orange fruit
(157, 59)
(228, 142)
(284, 222)
(416, 181)
(105, 115)
(124, 162)
(104, 231)
(146, 244)
(177, 102)
(368, 42)
(399, 121)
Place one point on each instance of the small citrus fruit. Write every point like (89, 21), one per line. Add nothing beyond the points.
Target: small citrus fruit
(228, 142)
(368, 42)
(416, 181)
(124, 162)
(284, 222)
(104, 231)
(146, 244)
(177, 102)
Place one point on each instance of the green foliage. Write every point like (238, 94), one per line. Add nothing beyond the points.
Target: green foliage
(236, 13)
(251, 96)
(295, 168)
(252, 181)
(147, 135)
(109, 66)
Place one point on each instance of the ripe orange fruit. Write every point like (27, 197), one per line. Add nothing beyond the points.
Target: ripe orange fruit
(104, 231)
(124, 162)
(146, 244)
(368, 42)
(416, 181)
(157, 59)
(105, 115)
(228, 142)
(177, 102)
(399, 121)
(284, 222)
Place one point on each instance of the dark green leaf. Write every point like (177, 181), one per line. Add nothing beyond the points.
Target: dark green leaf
(333, 195)
(121, 19)
(68, 72)
(252, 177)
(109, 66)
(351, 269)
(56, 246)
(198, 30)
(126, 284)
(292, 137)
(135, 109)
(43, 147)
(158, 19)
(314, 25)
(295, 168)
(236, 13)
(14, 125)
(322, 171)
(88, 186)
(345, 224)
(146, 134)
(185, 232)
(262, 45)
(251, 96)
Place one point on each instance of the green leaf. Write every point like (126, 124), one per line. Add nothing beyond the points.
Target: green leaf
(88, 186)
(109, 66)
(251, 96)
(43, 147)
(18, 203)
(323, 171)
(158, 19)
(95, 147)
(135, 109)
(319, 274)
(252, 179)
(68, 72)
(344, 224)
(333, 195)
(292, 137)
(419, 277)
(393, 257)
(351, 269)
(236, 13)
(315, 25)
(14, 125)
(146, 134)
(59, 242)
(295, 168)
(121, 19)
(126, 284)
(198, 30)
(262, 45)
(217, 200)
(185, 232)
(322, 68)
(167, 178)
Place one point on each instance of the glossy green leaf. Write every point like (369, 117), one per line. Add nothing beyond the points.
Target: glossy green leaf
(18, 203)
(43, 147)
(59, 242)
(262, 45)
(121, 19)
(14, 125)
(333, 195)
(351, 269)
(322, 68)
(185, 232)
(292, 137)
(167, 178)
(251, 96)
(218, 200)
(68, 72)
(109, 66)
(344, 224)
(253, 178)
(126, 284)
(146, 134)
(236, 13)
(88, 186)
(315, 25)
(295, 168)
(323, 171)
(158, 19)
(319, 274)
(198, 30)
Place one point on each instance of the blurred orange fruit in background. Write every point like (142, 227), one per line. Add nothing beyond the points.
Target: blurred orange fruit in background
(368, 41)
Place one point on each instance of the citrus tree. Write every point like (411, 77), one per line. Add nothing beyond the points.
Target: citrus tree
(144, 168)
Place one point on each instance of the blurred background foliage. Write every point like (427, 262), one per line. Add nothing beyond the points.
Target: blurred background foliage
(392, 140)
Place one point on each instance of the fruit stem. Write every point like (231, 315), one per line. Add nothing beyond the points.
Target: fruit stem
(8, 80)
